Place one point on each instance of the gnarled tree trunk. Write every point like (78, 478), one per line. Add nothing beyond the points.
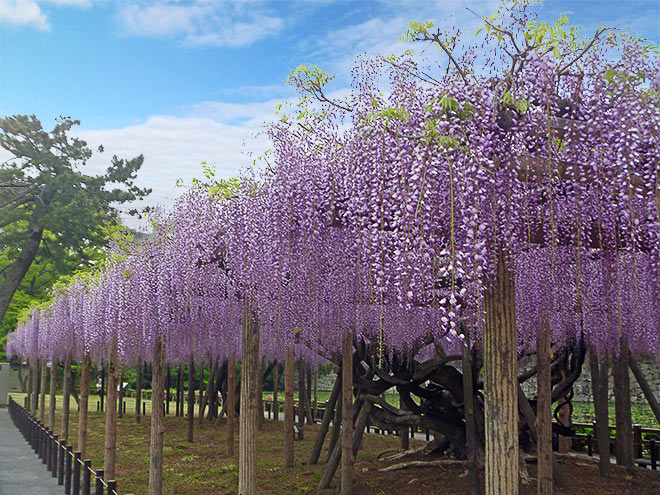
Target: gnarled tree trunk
(66, 399)
(288, 407)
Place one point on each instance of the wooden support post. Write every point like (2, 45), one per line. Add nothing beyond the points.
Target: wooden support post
(471, 434)
(543, 410)
(599, 387)
(347, 458)
(52, 396)
(34, 397)
(139, 371)
(301, 400)
(260, 394)
(168, 384)
(325, 424)
(276, 403)
(247, 447)
(231, 404)
(66, 399)
(110, 448)
(637, 441)
(646, 389)
(288, 407)
(157, 416)
(42, 391)
(500, 384)
(191, 398)
(76, 473)
(120, 396)
(622, 408)
(84, 404)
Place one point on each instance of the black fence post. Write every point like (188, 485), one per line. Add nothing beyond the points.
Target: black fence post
(44, 445)
(76, 473)
(67, 471)
(87, 479)
(143, 409)
(654, 455)
(61, 453)
(112, 487)
(99, 482)
(53, 457)
(590, 446)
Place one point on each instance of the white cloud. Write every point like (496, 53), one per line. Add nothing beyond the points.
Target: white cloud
(23, 12)
(29, 13)
(200, 22)
(174, 146)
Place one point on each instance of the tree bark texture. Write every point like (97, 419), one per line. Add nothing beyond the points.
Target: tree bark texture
(110, 449)
(84, 404)
(19, 268)
(599, 387)
(157, 416)
(288, 407)
(249, 417)
(544, 411)
(347, 457)
(66, 399)
(231, 404)
(500, 384)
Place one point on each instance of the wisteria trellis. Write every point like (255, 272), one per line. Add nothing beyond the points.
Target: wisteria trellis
(382, 218)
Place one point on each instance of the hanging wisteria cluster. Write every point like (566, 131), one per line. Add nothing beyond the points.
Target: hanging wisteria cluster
(382, 215)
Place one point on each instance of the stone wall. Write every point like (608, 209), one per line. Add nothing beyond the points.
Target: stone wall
(582, 387)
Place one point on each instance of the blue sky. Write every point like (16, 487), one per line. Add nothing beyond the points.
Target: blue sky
(186, 81)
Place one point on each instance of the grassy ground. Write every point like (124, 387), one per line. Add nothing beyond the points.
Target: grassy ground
(202, 467)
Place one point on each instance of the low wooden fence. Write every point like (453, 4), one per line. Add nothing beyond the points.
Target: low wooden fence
(61, 461)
